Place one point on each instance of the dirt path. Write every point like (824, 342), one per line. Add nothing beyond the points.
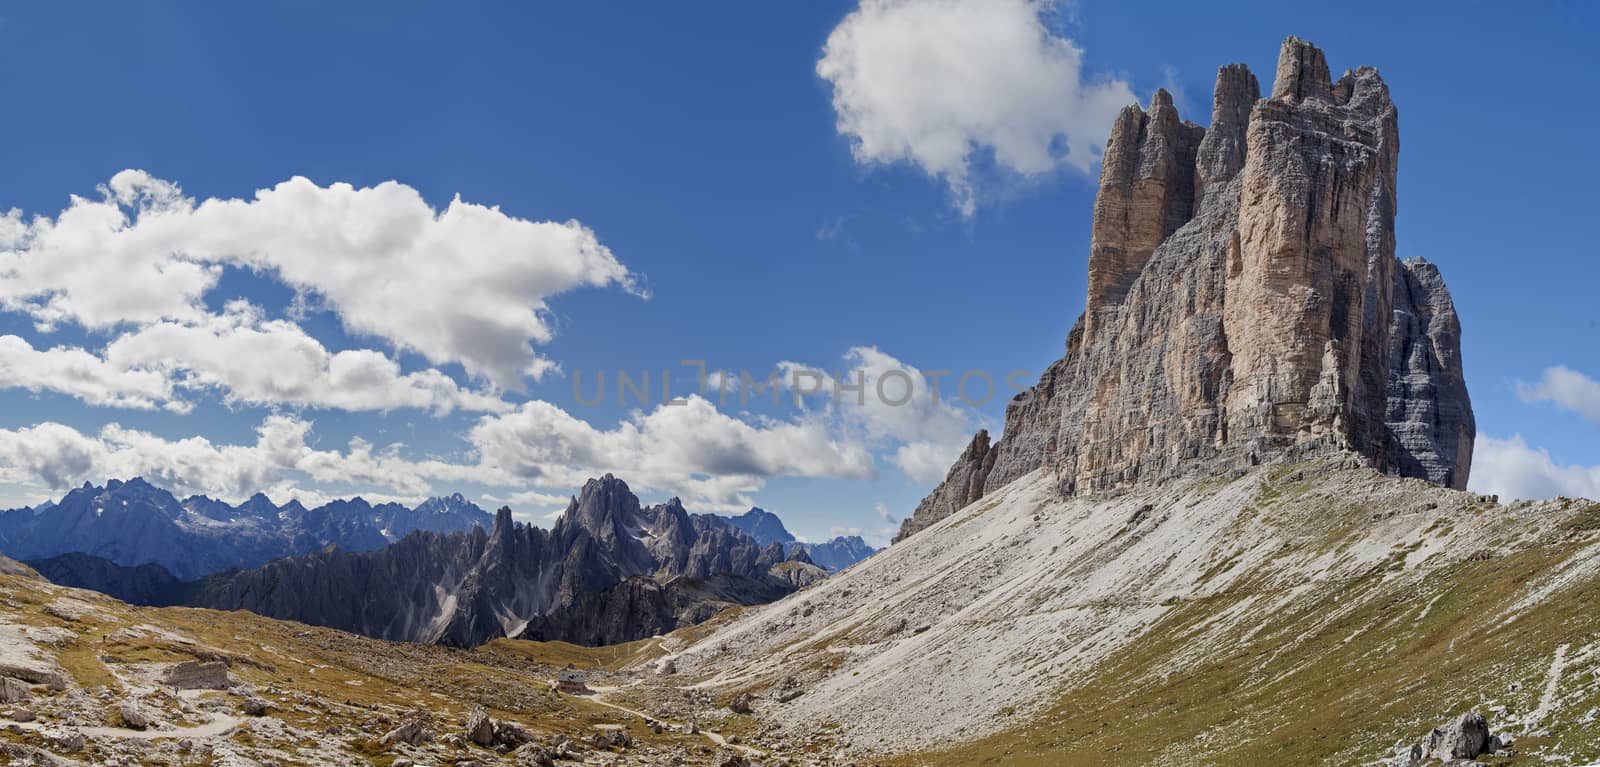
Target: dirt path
(220, 724)
(713, 737)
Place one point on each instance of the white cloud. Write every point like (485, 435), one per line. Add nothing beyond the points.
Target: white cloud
(1568, 389)
(57, 457)
(532, 498)
(927, 462)
(1512, 470)
(937, 82)
(897, 405)
(257, 361)
(715, 461)
(691, 449)
(465, 284)
(531, 506)
(712, 460)
(78, 373)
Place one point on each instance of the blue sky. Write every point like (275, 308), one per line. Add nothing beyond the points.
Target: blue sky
(700, 149)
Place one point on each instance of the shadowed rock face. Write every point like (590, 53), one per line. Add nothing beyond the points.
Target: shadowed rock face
(610, 570)
(1244, 300)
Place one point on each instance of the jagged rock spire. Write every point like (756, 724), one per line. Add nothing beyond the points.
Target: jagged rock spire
(1302, 73)
(1146, 193)
(1244, 300)
(1221, 153)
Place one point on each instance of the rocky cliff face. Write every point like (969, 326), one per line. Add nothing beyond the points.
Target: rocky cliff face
(1244, 300)
(610, 570)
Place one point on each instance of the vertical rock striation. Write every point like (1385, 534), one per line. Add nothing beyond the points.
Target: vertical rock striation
(1244, 300)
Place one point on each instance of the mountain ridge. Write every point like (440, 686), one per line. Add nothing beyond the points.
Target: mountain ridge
(609, 570)
(133, 522)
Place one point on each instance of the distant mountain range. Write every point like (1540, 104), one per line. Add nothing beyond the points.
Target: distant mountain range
(833, 556)
(610, 570)
(135, 523)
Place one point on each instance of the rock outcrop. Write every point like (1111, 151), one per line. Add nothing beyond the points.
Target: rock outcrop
(1464, 737)
(963, 485)
(1244, 301)
(198, 675)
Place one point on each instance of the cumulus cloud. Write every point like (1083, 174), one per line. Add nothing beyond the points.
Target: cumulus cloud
(895, 404)
(533, 507)
(938, 83)
(1511, 469)
(280, 461)
(713, 460)
(257, 361)
(77, 373)
(692, 449)
(60, 456)
(466, 284)
(1568, 389)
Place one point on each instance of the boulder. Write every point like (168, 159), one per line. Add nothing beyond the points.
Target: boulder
(34, 673)
(253, 706)
(1464, 737)
(133, 715)
(533, 755)
(65, 740)
(410, 732)
(198, 675)
(730, 759)
(510, 734)
(14, 690)
(742, 703)
(606, 739)
(480, 728)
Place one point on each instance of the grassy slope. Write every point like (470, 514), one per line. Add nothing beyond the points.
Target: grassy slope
(1346, 672)
(359, 678)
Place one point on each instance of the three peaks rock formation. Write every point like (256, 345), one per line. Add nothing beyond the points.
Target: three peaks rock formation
(1244, 300)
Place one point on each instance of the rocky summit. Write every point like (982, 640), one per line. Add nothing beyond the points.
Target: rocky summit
(1244, 301)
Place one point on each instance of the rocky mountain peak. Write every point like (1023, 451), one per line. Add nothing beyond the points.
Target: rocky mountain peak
(603, 507)
(762, 525)
(1244, 301)
(1302, 73)
(503, 523)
